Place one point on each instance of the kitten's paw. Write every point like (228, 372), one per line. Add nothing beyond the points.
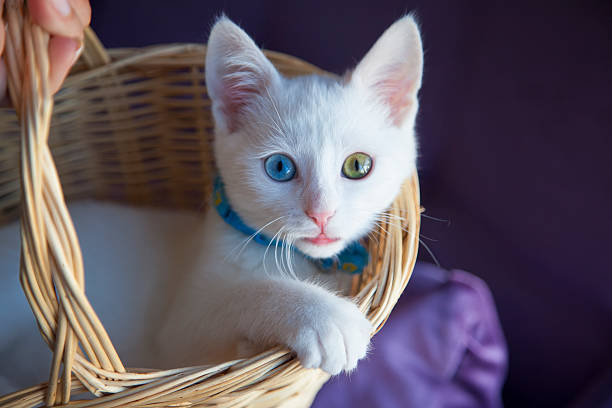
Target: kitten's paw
(334, 337)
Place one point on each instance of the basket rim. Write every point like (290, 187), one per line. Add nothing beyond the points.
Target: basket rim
(122, 57)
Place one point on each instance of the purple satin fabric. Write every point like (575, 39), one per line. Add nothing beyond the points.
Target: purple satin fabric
(442, 346)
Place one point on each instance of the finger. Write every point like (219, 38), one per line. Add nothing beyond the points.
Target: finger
(57, 17)
(82, 10)
(2, 33)
(3, 79)
(63, 51)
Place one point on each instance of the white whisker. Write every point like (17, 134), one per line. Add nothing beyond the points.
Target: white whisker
(290, 256)
(430, 252)
(268, 247)
(244, 243)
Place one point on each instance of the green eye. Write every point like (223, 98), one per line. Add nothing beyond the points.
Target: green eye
(357, 166)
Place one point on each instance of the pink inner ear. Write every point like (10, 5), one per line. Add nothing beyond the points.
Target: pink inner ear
(397, 92)
(236, 95)
(239, 87)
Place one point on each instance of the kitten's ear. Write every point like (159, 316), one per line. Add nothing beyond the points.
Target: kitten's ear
(392, 69)
(236, 71)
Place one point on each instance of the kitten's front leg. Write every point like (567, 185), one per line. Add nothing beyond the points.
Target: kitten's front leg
(325, 330)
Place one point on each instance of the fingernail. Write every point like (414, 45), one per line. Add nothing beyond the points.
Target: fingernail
(62, 7)
(78, 51)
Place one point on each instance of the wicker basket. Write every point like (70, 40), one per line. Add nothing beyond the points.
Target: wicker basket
(134, 125)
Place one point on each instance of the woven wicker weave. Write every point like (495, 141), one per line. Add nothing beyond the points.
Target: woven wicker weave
(134, 125)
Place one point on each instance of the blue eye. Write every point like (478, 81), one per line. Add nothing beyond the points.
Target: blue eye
(280, 167)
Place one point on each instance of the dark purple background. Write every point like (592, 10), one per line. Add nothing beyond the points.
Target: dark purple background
(515, 140)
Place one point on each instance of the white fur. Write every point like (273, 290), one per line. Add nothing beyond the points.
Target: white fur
(200, 284)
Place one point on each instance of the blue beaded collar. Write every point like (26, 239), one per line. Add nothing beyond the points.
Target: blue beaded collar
(353, 259)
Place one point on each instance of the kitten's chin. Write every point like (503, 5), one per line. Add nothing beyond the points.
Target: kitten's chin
(320, 250)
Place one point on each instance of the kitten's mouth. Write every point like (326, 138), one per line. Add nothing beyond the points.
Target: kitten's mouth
(321, 239)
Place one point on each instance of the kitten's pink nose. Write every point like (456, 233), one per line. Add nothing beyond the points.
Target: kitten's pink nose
(320, 218)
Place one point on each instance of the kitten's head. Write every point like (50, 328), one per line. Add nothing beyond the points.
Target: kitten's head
(314, 160)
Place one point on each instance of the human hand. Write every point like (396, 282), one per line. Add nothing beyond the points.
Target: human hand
(65, 20)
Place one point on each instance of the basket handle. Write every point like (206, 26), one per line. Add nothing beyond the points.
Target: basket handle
(51, 267)
(94, 54)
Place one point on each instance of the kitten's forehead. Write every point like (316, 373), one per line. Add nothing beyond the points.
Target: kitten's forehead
(310, 104)
(313, 112)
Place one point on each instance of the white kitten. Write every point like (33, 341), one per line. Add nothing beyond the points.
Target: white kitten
(286, 152)
(307, 127)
